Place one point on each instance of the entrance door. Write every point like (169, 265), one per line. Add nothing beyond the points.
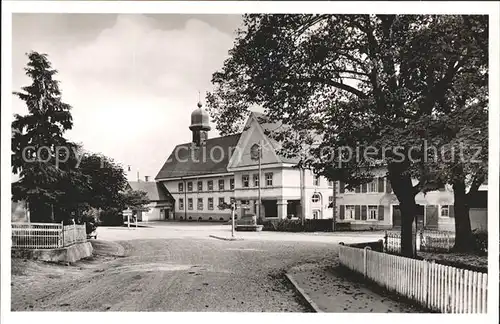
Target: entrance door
(316, 214)
(431, 216)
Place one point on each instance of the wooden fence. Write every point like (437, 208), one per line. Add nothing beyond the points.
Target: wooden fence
(438, 287)
(427, 240)
(46, 235)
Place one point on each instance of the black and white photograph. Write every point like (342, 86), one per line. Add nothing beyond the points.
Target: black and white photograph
(232, 159)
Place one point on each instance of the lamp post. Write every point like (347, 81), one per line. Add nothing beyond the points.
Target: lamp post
(256, 154)
(334, 205)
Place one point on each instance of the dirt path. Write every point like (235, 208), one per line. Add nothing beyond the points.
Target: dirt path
(167, 275)
(332, 292)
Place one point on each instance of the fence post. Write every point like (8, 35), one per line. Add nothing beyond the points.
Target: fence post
(365, 257)
(62, 232)
(385, 241)
(426, 283)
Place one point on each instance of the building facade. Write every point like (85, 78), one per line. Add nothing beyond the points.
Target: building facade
(207, 172)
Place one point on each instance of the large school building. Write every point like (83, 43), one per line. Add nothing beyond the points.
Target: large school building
(201, 175)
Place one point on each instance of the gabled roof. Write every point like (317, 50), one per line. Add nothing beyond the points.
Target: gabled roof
(188, 160)
(270, 127)
(155, 191)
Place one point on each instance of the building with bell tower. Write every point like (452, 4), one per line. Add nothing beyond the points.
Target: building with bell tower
(200, 125)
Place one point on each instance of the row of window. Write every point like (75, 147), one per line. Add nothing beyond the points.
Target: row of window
(200, 203)
(210, 185)
(377, 185)
(245, 180)
(317, 182)
(372, 212)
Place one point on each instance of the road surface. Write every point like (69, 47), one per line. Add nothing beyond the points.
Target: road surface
(174, 268)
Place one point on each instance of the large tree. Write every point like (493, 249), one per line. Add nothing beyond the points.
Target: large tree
(36, 138)
(357, 81)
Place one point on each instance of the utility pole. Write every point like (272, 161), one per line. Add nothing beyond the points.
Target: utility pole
(260, 178)
(334, 205)
(233, 207)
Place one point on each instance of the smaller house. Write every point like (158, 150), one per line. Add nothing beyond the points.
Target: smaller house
(161, 204)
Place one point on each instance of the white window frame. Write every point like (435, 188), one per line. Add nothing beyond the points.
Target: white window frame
(368, 214)
(330, 184)
(221, 181)
(269, 179)
(447, 208)
(180, 187)
(190, 204)
(210, 203)
(231, 183)
(369, 188)
(352, 212)
(199, 185)
(221, 202)
(198, 206)
(210, 185)
(188, 186)
(245, 179)
(181, 203)
(314, 200)
(316, 181)
(255, 179)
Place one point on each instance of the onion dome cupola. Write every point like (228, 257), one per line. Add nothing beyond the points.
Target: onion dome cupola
(200, 125)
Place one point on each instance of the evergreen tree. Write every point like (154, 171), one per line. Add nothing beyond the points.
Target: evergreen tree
(36, 138)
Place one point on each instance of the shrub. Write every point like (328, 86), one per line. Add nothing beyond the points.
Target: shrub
(481, 240)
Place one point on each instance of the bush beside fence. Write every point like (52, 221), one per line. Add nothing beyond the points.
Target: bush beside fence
(295, 225)
(46, 235)
(441, 288)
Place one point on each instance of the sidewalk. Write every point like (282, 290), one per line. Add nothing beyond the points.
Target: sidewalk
(332, 293)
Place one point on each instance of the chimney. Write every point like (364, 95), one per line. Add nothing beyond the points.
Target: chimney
(146, 178)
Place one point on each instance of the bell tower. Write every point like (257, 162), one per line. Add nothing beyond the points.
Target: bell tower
(200, 125)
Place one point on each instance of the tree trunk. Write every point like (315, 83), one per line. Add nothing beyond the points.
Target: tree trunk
(464, 241)
(403, 189)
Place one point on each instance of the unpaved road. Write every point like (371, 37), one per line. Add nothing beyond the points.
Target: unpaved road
(169, 275)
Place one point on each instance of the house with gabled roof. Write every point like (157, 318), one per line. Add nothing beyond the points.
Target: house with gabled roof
(207, 172)
(161, 202)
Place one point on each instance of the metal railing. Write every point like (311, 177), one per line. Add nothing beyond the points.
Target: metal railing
(46, 235)
(426, 240)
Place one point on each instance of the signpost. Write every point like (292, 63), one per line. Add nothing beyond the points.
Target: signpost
(127, 213)
(233, 207)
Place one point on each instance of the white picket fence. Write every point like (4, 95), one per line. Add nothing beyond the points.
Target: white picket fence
(46, 235)
(438, 287)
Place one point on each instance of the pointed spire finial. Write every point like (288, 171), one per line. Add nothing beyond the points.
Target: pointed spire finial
(199, 99)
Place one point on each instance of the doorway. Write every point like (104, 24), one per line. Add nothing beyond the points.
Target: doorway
(316, 214)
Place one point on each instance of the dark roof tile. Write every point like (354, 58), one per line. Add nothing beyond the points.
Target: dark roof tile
(187, 160)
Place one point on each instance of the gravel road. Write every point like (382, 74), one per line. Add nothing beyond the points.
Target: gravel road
(169, 275)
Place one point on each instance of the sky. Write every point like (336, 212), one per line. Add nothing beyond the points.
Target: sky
(132, 80)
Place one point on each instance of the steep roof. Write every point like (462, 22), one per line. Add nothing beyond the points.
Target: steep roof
(155, 191)
(269, 126)
(188, 160)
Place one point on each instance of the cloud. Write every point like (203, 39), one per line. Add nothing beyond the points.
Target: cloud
(134, 86)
